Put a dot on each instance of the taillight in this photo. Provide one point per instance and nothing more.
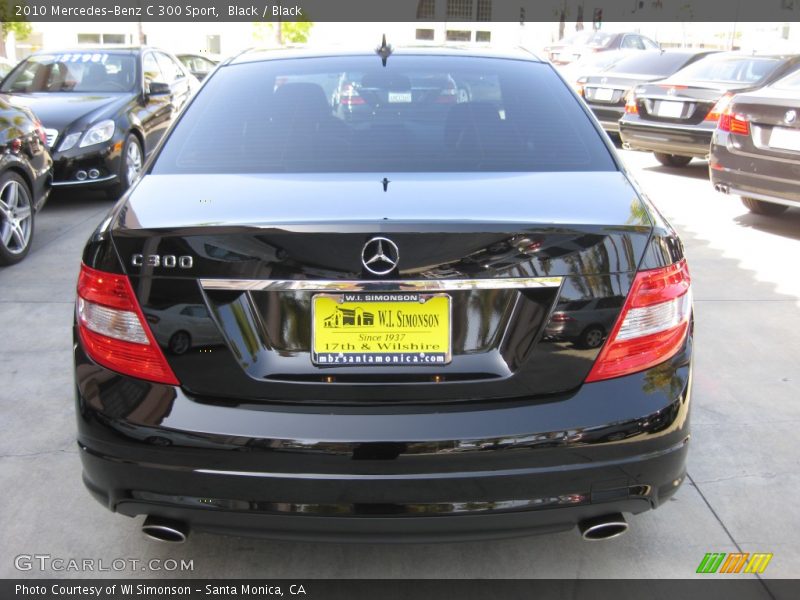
(350, 96)
(560, 317)
(579, 86)
(40, 132)
(448, 95)
(113, 329)
(734, 123)
(652, 326)
(631, 107)
(719, 108)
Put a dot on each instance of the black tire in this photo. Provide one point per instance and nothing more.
(592, 337)
(17, 217)
(760, 207)
(180, 342)
(132, 144)
(672, 160)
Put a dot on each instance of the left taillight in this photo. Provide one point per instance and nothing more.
(631, 107)
(652, 326)
(113, 330)
(41, 132)
(719, 108)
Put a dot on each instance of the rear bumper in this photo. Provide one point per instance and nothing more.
(608, 116)
(385, 474)
(754, 176)
(670, 139)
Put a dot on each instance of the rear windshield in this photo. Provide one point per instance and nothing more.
(80, 72)
(792, 82)
(651, 63)
(351, 114)
(734, 69)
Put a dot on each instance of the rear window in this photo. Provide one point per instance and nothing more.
(651, 63)
(732, 69)
(792, 82)
(351, 114)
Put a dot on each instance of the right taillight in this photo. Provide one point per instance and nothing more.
(733, 123)
(652, 326)
(113, 329)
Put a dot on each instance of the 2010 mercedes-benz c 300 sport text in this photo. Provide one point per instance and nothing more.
(410, 294)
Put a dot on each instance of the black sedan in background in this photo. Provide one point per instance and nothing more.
(606, 92)
(25, 173)
(675, 117)
(382, 289)
(104, 110)
(755, 151)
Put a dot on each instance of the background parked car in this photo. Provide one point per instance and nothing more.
(675, 118)
(25, 167)
(607, 92)
(199, 65)
(580, 44)
(591, 64)
(104, 110)
(755, 151)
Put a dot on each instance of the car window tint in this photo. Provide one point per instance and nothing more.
(632, 42)
(649, 44)
(792, 82)
(351, 114)
(171, 71)
(81, 72)
(152, 72)
(650, 63)
(735, 69)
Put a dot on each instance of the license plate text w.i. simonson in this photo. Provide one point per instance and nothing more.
(381, 329)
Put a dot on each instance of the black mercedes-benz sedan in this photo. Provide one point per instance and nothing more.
(755, 151)
(104, 110)
(675, 117)
(25, 174)
(364, 307)
(608, 90)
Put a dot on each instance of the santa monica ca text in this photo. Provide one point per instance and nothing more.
(143, 589)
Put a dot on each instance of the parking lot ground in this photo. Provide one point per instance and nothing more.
(743, 464)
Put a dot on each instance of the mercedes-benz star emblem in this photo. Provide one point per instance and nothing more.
(380, 256)
(790, 116)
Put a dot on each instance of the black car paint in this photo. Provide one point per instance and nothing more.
(611, 111)
(32, 160)
(690, 136)
(268, 445)
(747, 165)
(139, 112)
(23, 152)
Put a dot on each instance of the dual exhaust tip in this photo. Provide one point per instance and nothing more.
(603, 527)
(722, 188)
(165, 530)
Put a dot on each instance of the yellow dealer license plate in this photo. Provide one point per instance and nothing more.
(381, 329)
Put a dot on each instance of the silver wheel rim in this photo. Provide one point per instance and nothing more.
(133, 162)
(16, 217)
(594, 337)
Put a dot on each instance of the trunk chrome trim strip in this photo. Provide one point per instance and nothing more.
(392, 285)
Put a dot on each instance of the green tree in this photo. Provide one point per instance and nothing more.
(21, 29)
(283, 32)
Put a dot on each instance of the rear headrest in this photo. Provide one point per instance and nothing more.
(306, 100)
(468, 123)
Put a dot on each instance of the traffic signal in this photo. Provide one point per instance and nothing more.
(597, 19)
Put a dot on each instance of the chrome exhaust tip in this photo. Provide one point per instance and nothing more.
(165, 530)
(604, 527)
(626, 146)
(721, 188)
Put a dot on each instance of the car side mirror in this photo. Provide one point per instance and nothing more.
(157, 88)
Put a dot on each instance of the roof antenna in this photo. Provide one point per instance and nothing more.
(384, 50)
